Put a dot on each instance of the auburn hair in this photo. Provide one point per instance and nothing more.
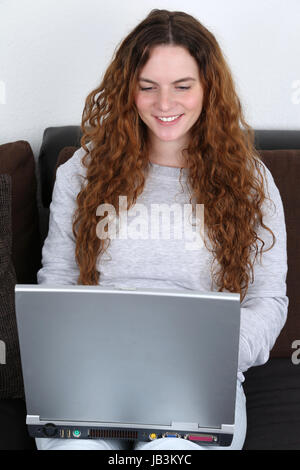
(225, 172)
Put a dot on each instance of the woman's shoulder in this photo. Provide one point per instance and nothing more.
(273, 201)
(268, 179)
(73, 172)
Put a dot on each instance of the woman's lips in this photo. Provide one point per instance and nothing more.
(168, 123)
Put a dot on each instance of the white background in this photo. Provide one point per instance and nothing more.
(54, 52)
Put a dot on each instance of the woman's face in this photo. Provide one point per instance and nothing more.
(169, 87)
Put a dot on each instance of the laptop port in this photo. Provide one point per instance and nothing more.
(208, 438)
(95, 433)
(50, 430)
(171, 434)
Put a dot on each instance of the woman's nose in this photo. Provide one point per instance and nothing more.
(164, 100)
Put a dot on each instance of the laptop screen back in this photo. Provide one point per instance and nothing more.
(137, 357)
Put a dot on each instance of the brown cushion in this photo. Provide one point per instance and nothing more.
(285, 168)
(11, 381)
(64, 155)
(17, 160)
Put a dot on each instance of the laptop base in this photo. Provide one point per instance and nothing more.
(51, 430)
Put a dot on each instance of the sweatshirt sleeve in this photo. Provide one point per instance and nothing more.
(264, 308)
(58, 255)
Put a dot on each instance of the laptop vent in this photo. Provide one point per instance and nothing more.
(112, 433)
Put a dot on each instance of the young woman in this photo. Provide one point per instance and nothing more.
(166, 126)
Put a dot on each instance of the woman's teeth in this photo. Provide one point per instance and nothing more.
(169, 119)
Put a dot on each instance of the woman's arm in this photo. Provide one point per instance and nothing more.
(58, 255)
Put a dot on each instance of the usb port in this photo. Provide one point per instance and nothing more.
(62, 433)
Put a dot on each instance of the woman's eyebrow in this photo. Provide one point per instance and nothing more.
(185, 79)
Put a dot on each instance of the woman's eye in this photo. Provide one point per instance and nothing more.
(178, 88)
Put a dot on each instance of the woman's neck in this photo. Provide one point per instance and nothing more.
(165, 161)
(167, 153)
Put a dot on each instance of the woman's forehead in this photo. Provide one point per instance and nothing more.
(169, 63)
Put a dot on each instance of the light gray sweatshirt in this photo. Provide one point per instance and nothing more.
(153, 252)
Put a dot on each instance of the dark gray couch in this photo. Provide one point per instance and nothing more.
(272, 390)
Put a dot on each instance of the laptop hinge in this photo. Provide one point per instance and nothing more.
(224, 429)
(183, 426)
(32, 419)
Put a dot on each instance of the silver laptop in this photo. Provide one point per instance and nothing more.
(135, 364)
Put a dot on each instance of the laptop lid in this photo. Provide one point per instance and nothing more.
(135, 358)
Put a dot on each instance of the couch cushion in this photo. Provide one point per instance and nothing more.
(54, 140)
(273, 406)
(13, 430)
(64, 155)
(16, 159)
(285, 168)
(11, 381)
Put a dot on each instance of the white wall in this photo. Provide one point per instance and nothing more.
(53, 53)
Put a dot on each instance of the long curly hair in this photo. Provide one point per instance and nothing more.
(225, 172)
